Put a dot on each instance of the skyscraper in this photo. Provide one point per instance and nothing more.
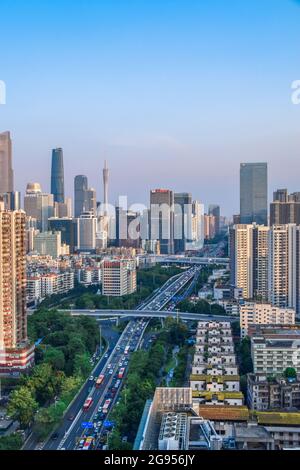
(86, 232)
(38, 205)
(80, 188)
(162, 219)
(6, 171)
(214, 210)
(15, 352)
(249, 259)
(182, 221)
(57, 175)
(285, 209)
(284, 269)
(91, 201)
(105, 187)
(254, 193)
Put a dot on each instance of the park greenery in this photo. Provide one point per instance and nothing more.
(146, 369)
(202, 307)
(11, 442)
(62, 365)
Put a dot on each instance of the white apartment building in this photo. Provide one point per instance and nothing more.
(272, 354)
(118, 277)
(214, 379)
(252, 313)
(41, 286)
(284, 266)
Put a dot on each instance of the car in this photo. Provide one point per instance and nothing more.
(71, 417)
(91, 378)
(54, 435)
(111, 371)
(99, 409)
(81, 442)
(120, 364)
(106, 355)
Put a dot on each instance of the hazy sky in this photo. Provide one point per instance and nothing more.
(174, 93)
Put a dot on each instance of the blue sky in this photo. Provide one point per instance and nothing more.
(174, 93)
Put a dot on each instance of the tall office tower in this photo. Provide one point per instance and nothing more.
(12, 201)
(254, 193)
(86, 232)
(6, 171)
(16, 355)
(105, 187)
(68, 229)
(285, 209)
(80, 188)
(91, 201)
(127, 229)
(162, 219)
(38, 205)
(183, 213)
(214, 210)
(284, 266)
(249, 258)
(57, 175)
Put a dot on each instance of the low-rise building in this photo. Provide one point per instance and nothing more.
(274, 349)
(264, 314)
(271, 393)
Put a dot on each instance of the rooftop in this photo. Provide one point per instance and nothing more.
(224, 413)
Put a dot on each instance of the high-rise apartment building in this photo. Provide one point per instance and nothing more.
(249, 258)
(57, 176)
(284, 267)
(209, 227)
(6, 171)
(118, 277)
(38, 205)
(254, 193)
(285, 209)
(16, 355)
(162, 219)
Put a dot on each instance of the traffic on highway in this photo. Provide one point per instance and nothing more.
(90, 426)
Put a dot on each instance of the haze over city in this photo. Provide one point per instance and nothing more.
(168, 99)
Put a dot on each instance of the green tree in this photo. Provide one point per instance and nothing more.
(22, 405)
(55, 357)
(11, 442)
(290, 373)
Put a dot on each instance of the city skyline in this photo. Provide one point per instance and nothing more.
(187, 99)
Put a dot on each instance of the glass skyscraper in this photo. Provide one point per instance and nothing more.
(254, 193)
(57, 175)
(80, 194)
